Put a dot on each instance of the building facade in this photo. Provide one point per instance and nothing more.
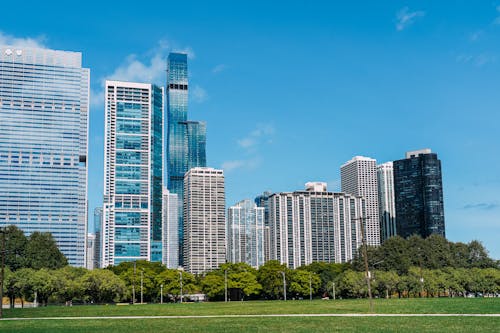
(133, 198)
(91, 251)
(44, 103)
(97, 228)
(385, 178)
(359, 178)
(170, 229)
(245, 233)
(263, 201)
(419, 194)
(185, 140)
(205, 220)
(314, 225)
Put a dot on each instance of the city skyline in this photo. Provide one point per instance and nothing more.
(431, 84)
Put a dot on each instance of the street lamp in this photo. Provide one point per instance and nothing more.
(225, 285)
(133, 286)
(2, 231)
(365, 257)
(161, 294)
(284, 285)
(142, 281)
(333, 289)
(180, 269)
(310, 287)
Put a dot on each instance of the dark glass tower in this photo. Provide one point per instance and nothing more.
(185, 140)
(419, 194)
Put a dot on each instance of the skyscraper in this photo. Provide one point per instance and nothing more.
(245, 233)
(387, 208)
(170, 229)
(91, 248)
(419, 194)
(185, 140)
(359, 178)
(133, 199)
(205, 220)
(97, 228)
(314, 225)
(44, 102)
(263, 201)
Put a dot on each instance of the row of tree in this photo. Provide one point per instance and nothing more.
(127, 281)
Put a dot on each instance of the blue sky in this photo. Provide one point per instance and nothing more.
(291, 90)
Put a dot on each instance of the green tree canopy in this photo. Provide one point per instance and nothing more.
(42, 252)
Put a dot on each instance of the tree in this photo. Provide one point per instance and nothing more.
(478, 256)
(299, 282)
(102, 286)
(386, 282)
(352, 284)
(15, 246)
(328, 273)
(241, 277)
(170, 279)
(68, 283)
(213, 285)
(270, 277)
(42, 252)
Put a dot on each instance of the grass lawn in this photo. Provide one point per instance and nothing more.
(269, 324)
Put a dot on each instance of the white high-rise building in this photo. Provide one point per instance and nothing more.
(170, 229)
(204, 220)
(385, 178)
(314, 225)
(359, 178)
(132, 208)
(44, 105)
(245, 233)
(91, 250)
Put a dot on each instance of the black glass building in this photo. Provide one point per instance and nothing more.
(418, 194)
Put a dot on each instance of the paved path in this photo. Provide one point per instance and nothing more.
(272, 315)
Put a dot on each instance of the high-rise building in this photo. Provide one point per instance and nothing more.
(97, 229)
(263, 201)
(359, 178)
(314, 225)
(185, 140)
(91, 249)
(170, 230)
(245, 233)
(385, 178)
(44, 103)
(133, 198)
(205, 220)
(419, 194)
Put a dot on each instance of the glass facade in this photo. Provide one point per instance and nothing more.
(43, 145)
(385, 177)
(245, 233)
(132, 227)
(419, 195)
(185, 140)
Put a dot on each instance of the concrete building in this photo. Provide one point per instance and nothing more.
(170, 229)
(385, 178)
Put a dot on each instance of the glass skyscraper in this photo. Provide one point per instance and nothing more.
(133, 161)
(44, 102)
(185, 140)
(418, 191)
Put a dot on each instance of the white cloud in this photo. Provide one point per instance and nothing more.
(248, 164)
(219, 68)
(478, 60)
(476, 35)
(37, 42)
(132, 69)
(497, 19)
(262, 133)
(405, 18)
(199, 94)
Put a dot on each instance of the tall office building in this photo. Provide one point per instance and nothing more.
(263, 201)
(91, 248)
(205, 220)
(170, 229)
(245, 233)
(385, 178)
(97, 228)
(133, 198)
(359, 178)
(419, 194)
(314, 225)
(185, 140)
(44, 103)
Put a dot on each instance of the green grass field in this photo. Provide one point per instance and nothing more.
(269, 324)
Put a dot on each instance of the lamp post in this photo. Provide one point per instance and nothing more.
(333, 289)
(142, 281)
(2, 231)
(180, 269)
(284, 285)
(225, 285)
(362, 223)
(161, 294)
(310, 287)
(133, 287)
